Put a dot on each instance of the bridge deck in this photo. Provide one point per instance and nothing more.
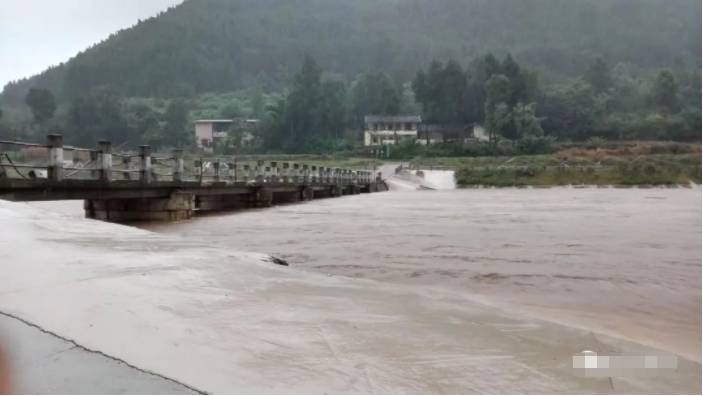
(145, 186)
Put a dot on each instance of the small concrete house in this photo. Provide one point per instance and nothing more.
(383, 129)
(209, 132)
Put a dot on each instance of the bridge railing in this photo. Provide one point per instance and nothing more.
(56, 162)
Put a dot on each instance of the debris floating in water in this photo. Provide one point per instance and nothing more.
(276, 260)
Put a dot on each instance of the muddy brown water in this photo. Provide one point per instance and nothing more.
(623, 262)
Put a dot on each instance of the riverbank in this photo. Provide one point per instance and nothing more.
(645, 165)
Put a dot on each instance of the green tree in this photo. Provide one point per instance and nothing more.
(97, 116)
(177, 131)
(569, 111)
(257, 102)
(442, 92)
(496, 111)
(664, 92)
(599, 75)
(144, 124)
(233, 109)
(42, 103)
(374, 93)
(526, 122)
(518, 80)
(274, 122)
(501, 122)
(303, 104)
(333, 111)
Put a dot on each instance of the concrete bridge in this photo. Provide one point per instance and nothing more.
(143, 186)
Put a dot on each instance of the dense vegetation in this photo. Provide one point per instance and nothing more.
(311, 69)
(224, 45)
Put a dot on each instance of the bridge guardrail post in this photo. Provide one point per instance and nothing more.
(296, 173)
(235, 171)
(54, 171)
(178, 165)
(274, 172)
(231, 171)
(95, 159)
(260, 172)
(145, 166)
(198, 169)
(216, 168)
(252, 171)
(285, 172)
(306, 173)
(105, 160)
(266, 172)
(126, 161)
(245, 172)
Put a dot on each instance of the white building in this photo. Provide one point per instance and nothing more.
(480, 133)
(209, 132)
(381, 130)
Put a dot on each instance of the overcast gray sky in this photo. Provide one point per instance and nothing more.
(35, 34)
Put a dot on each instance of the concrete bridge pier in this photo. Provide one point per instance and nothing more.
(179, 206)
(354, 190)
(222, 202)
(307, 193)
(262, 197)
(280, 197)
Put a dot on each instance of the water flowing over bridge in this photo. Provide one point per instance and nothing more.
(142, 186)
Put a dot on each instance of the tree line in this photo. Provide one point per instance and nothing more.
(102, 114)
(322, 112)
(511, 102)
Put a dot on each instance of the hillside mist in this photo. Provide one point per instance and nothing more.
(224, 45)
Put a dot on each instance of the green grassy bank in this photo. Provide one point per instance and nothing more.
(638, 166)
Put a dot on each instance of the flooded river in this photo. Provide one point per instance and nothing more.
(625, 262)
(445, 291)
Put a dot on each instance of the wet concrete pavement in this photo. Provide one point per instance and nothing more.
(44, 363)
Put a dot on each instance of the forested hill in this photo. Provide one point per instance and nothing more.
(222, 45)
